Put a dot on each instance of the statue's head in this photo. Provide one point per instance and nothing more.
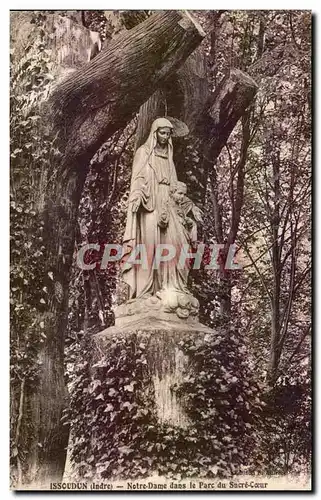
(179, 191)
(163, 134)
(161, 131)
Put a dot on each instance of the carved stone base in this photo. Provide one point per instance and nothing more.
(169, 304)
(167, 318)
(165, 358)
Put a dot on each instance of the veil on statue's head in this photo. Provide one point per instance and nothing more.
(178, 128)
(152, 138)
(147, 149)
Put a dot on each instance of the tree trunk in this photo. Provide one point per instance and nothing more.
(276, 265)
(83, 111)
(69, 46)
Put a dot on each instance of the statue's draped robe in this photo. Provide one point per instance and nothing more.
(153, 177)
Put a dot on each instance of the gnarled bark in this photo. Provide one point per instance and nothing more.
(103, 95)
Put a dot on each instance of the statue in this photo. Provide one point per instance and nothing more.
(183, 207)
(159, 309)
(159, 215)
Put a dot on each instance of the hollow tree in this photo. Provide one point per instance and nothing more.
(83, 110)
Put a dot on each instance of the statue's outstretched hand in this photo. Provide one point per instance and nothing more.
(135, 205)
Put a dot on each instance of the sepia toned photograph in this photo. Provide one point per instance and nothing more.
(160, 250)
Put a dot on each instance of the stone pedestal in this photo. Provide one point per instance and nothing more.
(165, 334)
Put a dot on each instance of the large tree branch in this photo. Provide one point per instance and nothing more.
(101, 97)
(226, 106)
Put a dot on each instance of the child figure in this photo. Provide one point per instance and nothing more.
(186, 210)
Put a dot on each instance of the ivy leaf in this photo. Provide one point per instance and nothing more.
(95, 383)
(125, 450)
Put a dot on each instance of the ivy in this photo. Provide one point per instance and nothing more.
(31, 156)
(114, 426)
(112, 402)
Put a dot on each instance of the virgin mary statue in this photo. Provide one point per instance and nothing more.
(150, 220)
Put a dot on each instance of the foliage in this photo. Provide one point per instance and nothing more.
(286, 434)
(114, 398)
(249, 36)
(224, 391)
(30, 82)
(101, 219)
